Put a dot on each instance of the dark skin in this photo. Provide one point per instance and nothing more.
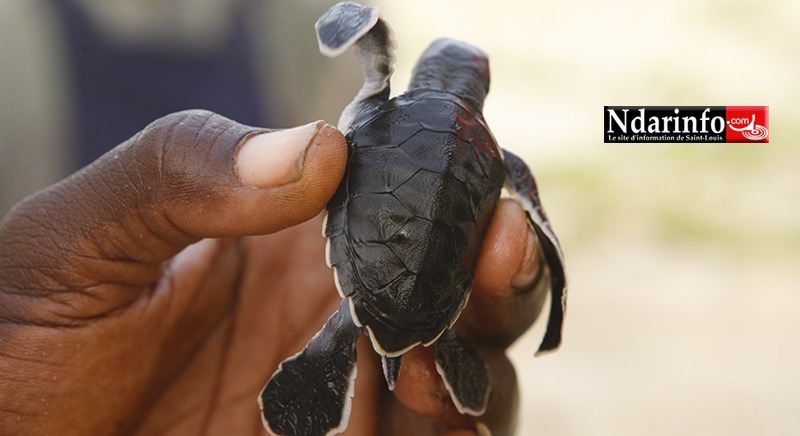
(156, 291)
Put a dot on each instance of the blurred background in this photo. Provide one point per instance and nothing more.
(682, 258)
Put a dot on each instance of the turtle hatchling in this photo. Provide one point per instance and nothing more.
(405, 227)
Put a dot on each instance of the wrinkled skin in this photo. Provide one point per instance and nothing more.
(132, 303)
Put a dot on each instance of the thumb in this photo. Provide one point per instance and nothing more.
(187, 176)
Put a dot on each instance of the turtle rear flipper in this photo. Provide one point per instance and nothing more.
(311, 392)
(521, 184)
(464, 373)
(347, 24)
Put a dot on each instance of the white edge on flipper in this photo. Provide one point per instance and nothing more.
(376, 58)
(333, 52)
(280, 368)
(546, 309)
(348, 402)
(533, 214)
(535, 219)
(460, 407)
(264, 421)
(348, 405)
(261, 401)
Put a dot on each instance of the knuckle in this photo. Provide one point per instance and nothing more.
(186, 144)
(173, 150)
(187, 117)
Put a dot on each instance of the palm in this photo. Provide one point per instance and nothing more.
(282, 293)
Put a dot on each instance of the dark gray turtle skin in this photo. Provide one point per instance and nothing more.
(405, 227)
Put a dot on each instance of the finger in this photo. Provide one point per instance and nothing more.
(187, 176)
(421, 390)
(507, 294)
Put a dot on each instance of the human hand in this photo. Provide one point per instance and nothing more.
(132, 302)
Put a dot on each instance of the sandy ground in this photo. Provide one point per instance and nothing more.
(666, 342)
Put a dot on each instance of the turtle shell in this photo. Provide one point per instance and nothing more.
(405, 226)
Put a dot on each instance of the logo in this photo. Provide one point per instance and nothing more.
(686, 124)
(747, 123)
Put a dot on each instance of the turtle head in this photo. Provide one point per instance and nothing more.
(455, 67)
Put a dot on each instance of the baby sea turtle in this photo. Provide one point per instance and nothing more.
(405, 227)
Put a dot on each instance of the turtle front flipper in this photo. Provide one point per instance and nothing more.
(311, 392)
(522, 185)
(347, 24)
(464, 373)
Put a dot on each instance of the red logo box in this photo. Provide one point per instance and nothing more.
(747, 124)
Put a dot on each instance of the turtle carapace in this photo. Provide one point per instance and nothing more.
(405, 227)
